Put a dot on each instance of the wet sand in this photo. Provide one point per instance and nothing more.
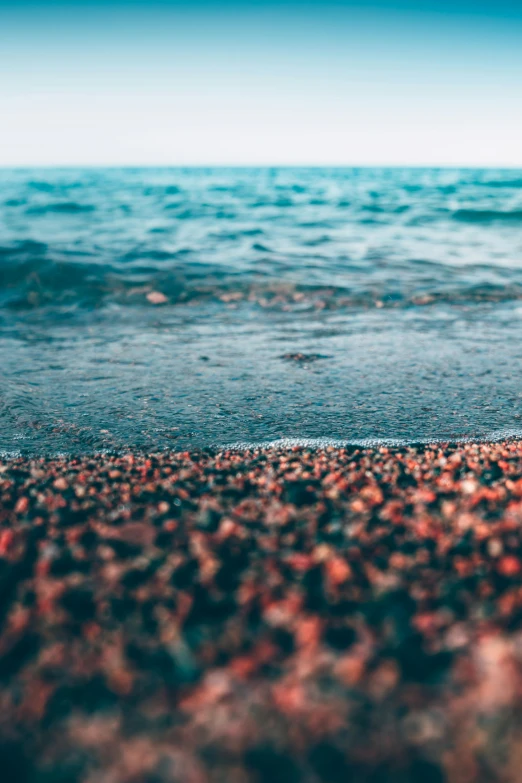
(285, 616)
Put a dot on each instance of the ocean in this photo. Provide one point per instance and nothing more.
(161, 309)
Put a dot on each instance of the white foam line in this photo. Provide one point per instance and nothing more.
(364, 443)
(288, 443)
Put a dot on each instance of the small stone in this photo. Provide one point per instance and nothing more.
(157, 298)
(22, 505)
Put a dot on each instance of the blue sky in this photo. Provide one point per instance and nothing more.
(260, 82)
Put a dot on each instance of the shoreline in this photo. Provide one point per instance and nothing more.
(296, 614)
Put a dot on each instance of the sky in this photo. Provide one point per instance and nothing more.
(223, 82)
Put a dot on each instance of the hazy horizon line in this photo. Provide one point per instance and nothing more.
(144, 166)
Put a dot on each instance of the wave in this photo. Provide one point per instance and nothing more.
(488, 215)
(33, 280)
(503, 183)
(41, 185)
(19, 249)
(60, 208)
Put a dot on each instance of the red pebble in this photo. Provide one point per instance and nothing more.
(509, 565)
(22, 505)
(6, 539)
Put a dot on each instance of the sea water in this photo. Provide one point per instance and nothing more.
(161, 309)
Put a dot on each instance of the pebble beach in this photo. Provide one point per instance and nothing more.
(268, 615)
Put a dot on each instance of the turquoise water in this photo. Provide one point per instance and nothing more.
(169, 308)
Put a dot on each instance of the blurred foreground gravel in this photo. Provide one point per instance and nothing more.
(278, 616)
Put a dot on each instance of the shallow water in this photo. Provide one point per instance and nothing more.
(347, 305)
